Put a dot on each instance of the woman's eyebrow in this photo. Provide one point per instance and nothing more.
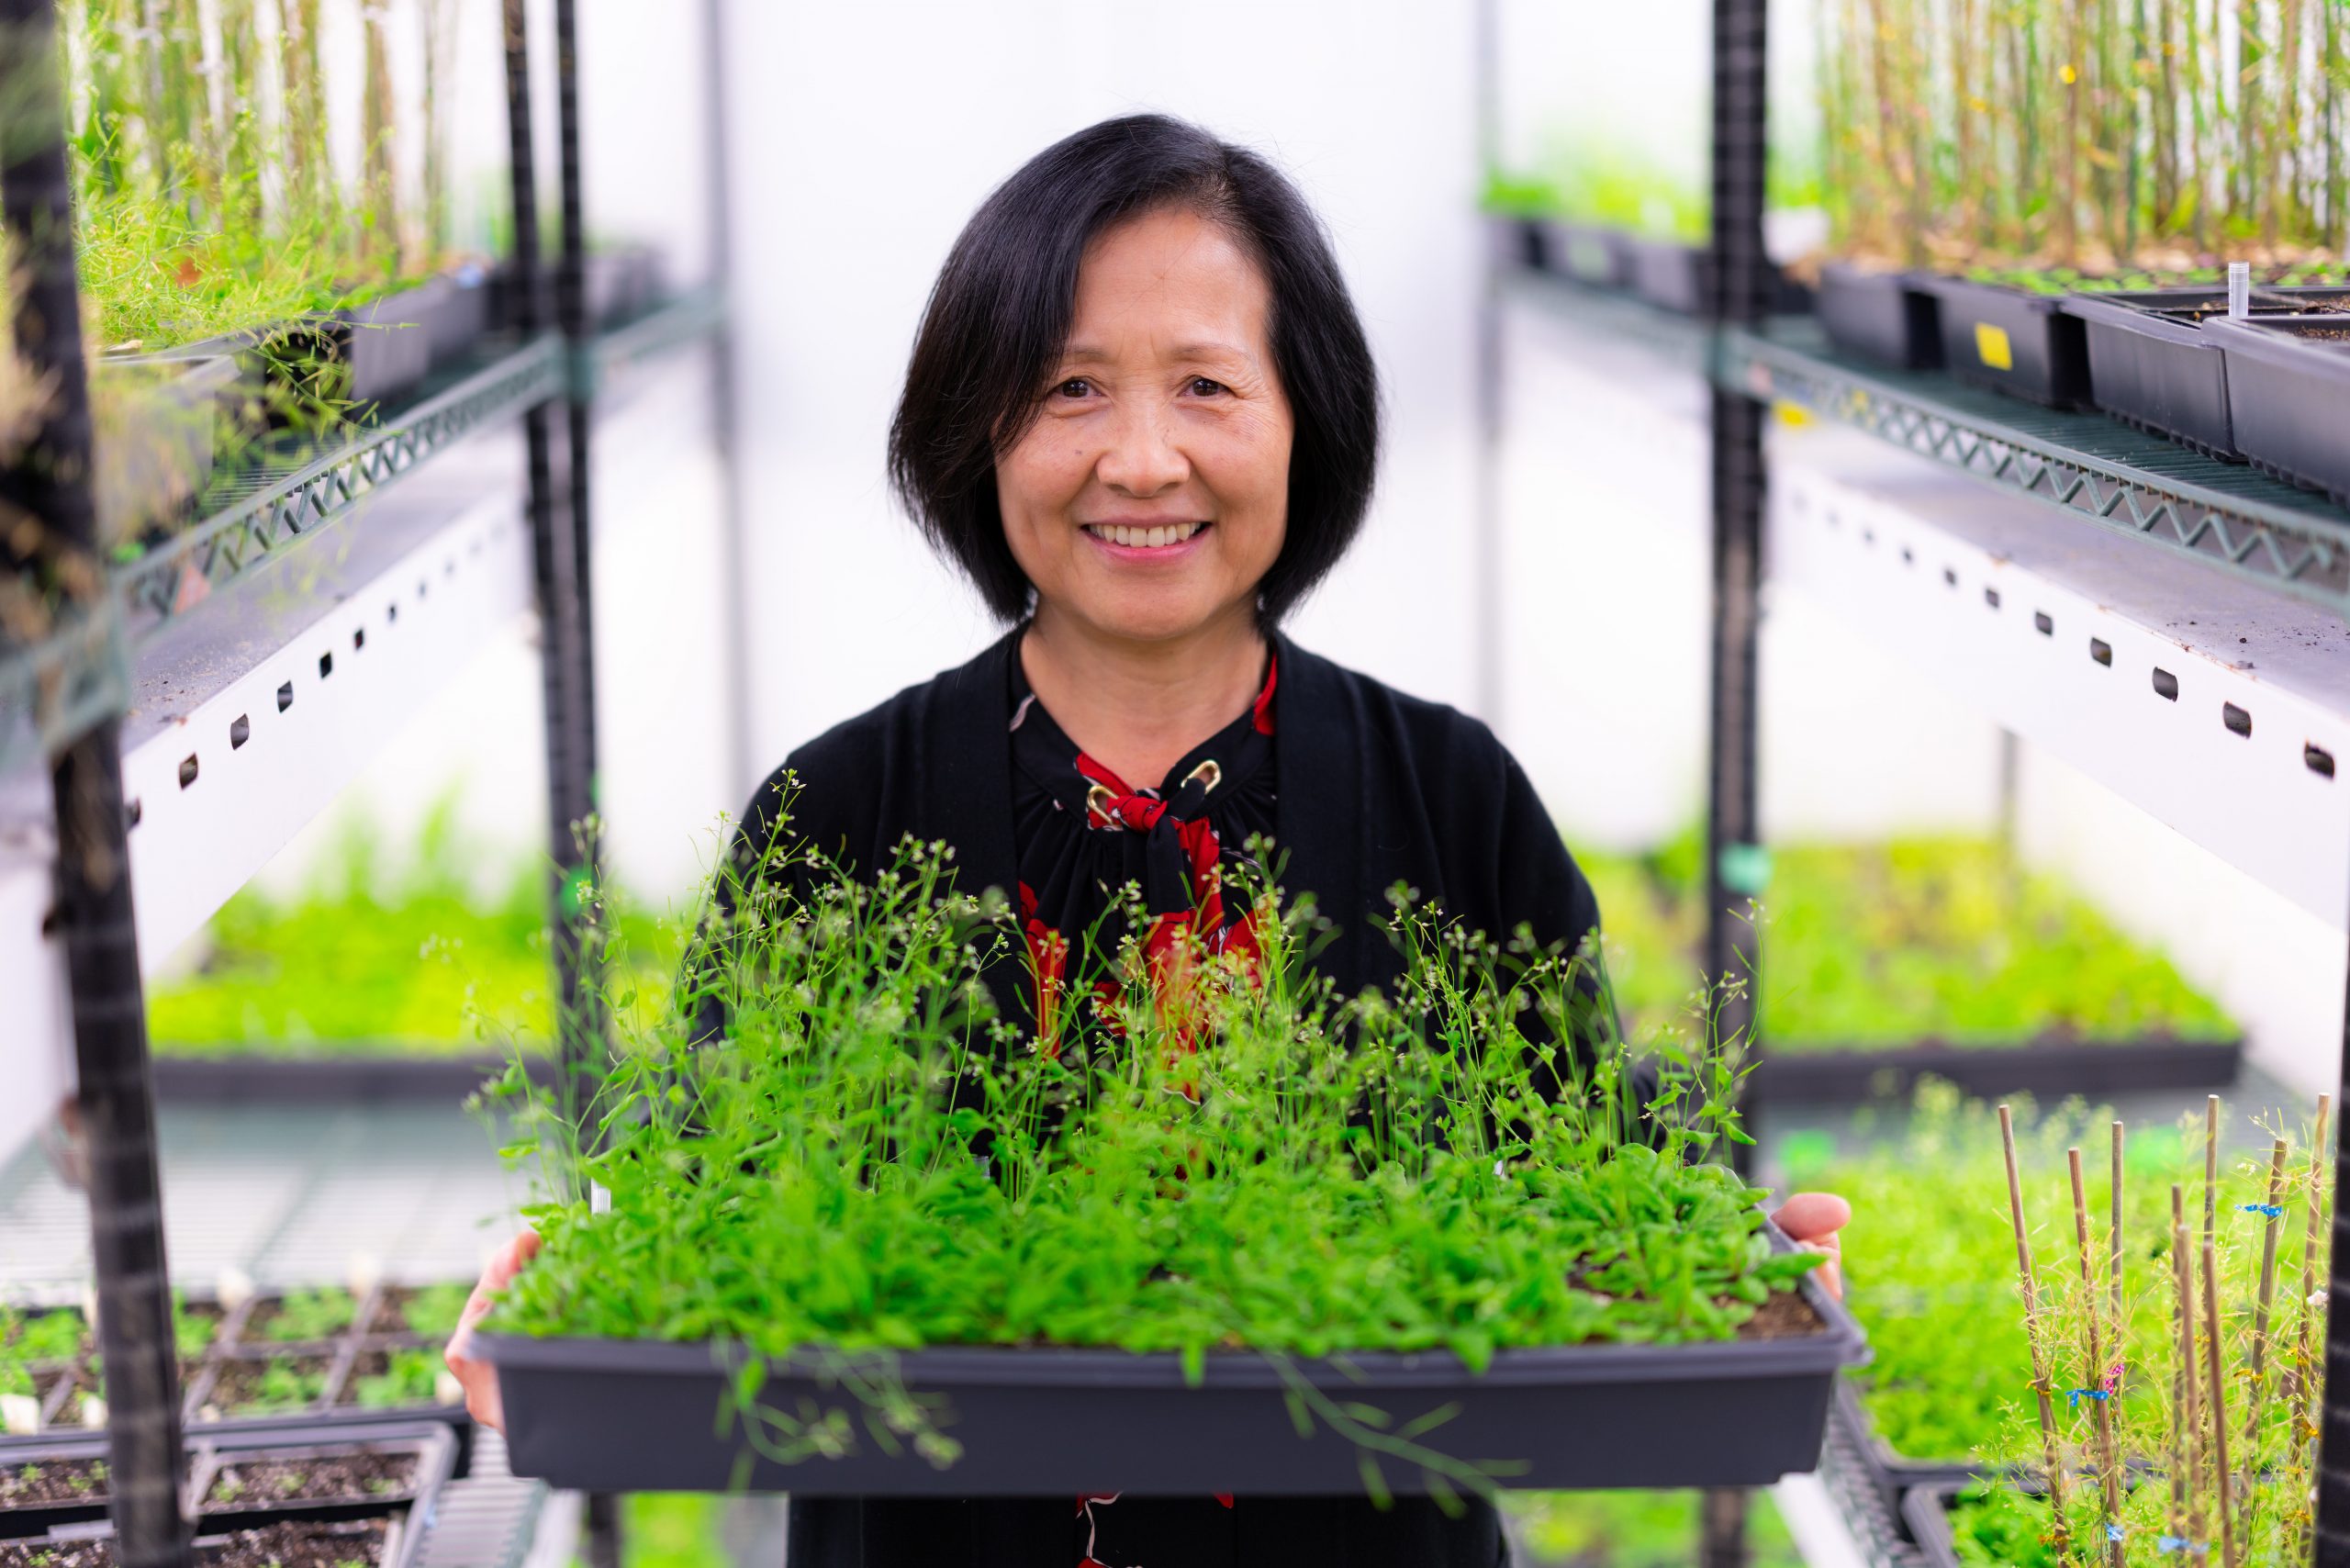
(1204, 348)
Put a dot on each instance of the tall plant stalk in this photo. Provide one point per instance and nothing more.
(382, 244)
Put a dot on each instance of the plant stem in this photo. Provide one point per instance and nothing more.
(2109, 1473)
(2035, 1333)
(383, 246)
(2305, 1375)
(2218, 1397)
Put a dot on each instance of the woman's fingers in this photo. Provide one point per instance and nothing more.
(1812, 1221)
(1814, 1216)
(478, 1378)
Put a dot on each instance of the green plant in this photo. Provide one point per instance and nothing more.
(305, 1316)
(1940, 936)
(410, 1377)
(1635, 1529)
(419, 961)
(285, 1385)
(2162, 135)
(1235, 1157)
(433, 1310)
(2175, 1366)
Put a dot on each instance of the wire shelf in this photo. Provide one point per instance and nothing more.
(55, 690)
(2138, 485)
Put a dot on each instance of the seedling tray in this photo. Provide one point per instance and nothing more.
(350, 1075)
(1883, 317)
(2156, 367)
(2012, 342)
(1891, 1476)
(375, 1328)
(1587, 253)
(634, 1415)
(2289, 381)
(429, 1450)
(380, 1541)
(2044, 1067)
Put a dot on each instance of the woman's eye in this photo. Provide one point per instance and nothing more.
(1075, 386)
(1203, 387)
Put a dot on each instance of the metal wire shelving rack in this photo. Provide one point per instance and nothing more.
(467, 503)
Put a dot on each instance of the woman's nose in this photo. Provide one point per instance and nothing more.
(1141, 460)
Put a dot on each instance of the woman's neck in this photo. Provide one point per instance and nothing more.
(1137, 707)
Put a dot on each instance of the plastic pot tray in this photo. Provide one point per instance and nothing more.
(2156, 367)
(2046, 1067)
(2010, 341)
(1891, 1474)
(634, 1415)
(345, 1075)
(2288, 380)
(1587, 253)
(1885, 317)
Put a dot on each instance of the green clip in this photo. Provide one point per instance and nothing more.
(1745, 867)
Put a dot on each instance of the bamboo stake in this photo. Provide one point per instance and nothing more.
(2273, 1213)
(2109, 1473)
(2285, 205)
(2252, 53)
(2210, 1167)
(2166, 121)
(2218, 1408)
(2198, 171)
(2187, 1436)
(382, 241)
(2113, 1239)
(2034, 1334)
(2068, 163)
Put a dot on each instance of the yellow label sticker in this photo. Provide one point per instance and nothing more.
(1991, 346)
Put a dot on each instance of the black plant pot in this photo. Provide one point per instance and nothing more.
(347, 1076)
(53, 1455)
(2012, 342)
(2043, 1067)
(1515, 241)
(2153, 366)
(643, 1415)
(456, 315)
(1669, 275)
(429, 1450)
(1587, 253)
(621, 283)
(2288, 384)
(1883, 317)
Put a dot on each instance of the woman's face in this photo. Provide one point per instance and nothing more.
(1150, 497)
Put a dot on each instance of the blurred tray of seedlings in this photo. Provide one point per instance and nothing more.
(390, 971)
(1936, 957)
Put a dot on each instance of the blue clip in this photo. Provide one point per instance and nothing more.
(2271, 1210)
(2113, 1533)
(2179, 1543)
(2077, 1394)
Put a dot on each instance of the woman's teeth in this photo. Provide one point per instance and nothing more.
(1146, 538)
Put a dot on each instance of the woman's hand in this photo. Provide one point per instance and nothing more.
(479, 1378)
(1812, 1220)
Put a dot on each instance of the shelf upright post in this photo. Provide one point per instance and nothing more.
(566, 654)
(577, 950)
(2332, 1529)
(733, 628)
(116, 1102)
(1736, 863)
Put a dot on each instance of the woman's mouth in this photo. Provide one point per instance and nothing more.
(1158, 536)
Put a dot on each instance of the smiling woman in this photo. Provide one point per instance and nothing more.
(1141, 417)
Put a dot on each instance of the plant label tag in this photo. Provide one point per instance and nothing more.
(1991, 346)
(19, 1415)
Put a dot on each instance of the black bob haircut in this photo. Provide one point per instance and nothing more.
(1000, 315)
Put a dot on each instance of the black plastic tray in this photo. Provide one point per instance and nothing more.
(635, 1416)
(2012, 342)
(1891, 1476)
(2153, 366)
(2287, 389)
(1587, 253)
(1883, 317)
(1837, 1077)
(347, 1077)
(433, 1444)
(1925, 1510)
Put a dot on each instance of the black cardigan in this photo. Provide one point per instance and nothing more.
(1374, 788)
